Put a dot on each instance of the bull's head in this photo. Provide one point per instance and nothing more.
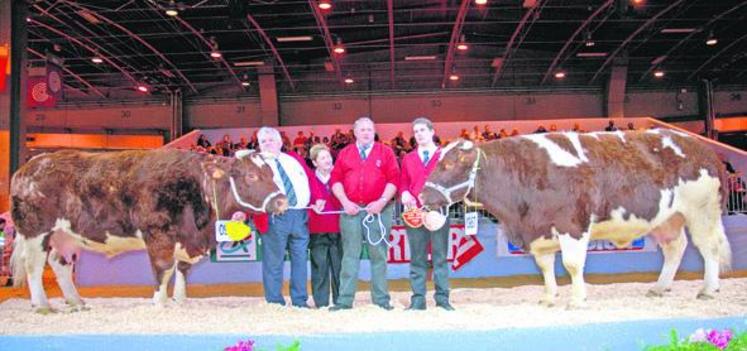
(251, 183)
(454, 176)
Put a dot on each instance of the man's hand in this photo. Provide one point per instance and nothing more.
(376, 207)
(408, 200)
(351, 209)
(318, 206)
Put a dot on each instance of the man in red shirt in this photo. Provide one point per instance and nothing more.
(416, 166)
(365, 179)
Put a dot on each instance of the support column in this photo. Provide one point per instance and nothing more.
(615, 98)
(706, 108)
(268, 96)
(176, 100)
(12, 100)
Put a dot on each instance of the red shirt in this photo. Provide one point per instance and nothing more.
(364, 181)
(326, 223)
(415, 173)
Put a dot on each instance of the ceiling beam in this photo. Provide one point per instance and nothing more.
(688, 37)
(274, 50)
(390, 14)
(456, 31)
(715, 56)
(321, 23)
(72, 74)
(93, 51)
(534, 14)
(630, 37)
(572, 38)
(141, 41)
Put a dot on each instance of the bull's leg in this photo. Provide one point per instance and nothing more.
(546, 263)
(708, 236)
(63, 270)
(673, 252)
(180, 282)
(574, 259)
(29, 257)
(161, 252)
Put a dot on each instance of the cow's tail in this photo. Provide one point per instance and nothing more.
(18, 260)
(724, 250)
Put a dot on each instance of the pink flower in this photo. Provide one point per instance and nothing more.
(242, 345)
(700, 335)
(720, 340)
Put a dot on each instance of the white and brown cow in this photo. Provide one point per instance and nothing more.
(165, 201)
(558, 191)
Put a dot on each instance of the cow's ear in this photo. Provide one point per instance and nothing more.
(213, 170)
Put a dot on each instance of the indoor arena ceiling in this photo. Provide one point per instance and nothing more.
(218, 47)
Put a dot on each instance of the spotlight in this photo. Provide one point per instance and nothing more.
(97, 60)
(560, 75)
(658, 73)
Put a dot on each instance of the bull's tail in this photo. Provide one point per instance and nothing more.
(724, 250)
(18, 260)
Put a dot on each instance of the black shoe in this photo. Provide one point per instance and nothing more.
(387, 307)
(340, 308)
(445, 306)
(301, 306)
(416, 307)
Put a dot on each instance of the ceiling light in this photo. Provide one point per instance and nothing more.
(420, 58)
(97, 60)
(453, 77)
(216, 54)
(711, 40)
(172, 12)
(249, 63)
(294, 38)
(591, 54)
(560, 75)
(349, 80)
(481, 2)
(677, 30)
(325, 4)
(462, 46)
(637, 2)
(658, 73)
(339, 50)
(245, 84)
(142, 88)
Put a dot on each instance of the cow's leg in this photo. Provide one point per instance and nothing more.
(28, 259)
(161, 252)
(180, 282)
(574, 259)
(673, 252)
(63, 270)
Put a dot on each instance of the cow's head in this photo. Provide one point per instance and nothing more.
(251, 182)
(454, 175)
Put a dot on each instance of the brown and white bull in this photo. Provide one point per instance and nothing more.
(165, 201)
(555, 192)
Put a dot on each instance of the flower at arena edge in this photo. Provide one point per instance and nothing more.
(241, 345)
(720, 340)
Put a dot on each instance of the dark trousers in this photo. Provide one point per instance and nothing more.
(326, 261)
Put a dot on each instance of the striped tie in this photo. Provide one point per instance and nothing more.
(426, 157)
(363, 149)
(289, 192)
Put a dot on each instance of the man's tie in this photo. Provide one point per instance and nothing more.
(426, 157)
(363, 152)
(289, 192)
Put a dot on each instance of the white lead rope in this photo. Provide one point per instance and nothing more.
(368, 219)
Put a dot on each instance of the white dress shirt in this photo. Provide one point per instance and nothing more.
(297, 177)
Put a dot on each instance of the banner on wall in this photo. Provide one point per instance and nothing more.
(462, 249)
(505, 248)
(4, 66)
(36, 94)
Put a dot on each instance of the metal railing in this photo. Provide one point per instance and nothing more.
(737, 194)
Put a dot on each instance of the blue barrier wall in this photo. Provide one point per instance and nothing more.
(134, 268)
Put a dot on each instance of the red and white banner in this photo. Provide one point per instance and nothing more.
(36, 94)
(462, 248)
(4, 66)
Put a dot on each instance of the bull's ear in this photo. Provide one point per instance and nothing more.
(212, 169)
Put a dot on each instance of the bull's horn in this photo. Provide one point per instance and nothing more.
(467, 145)
(243, 153)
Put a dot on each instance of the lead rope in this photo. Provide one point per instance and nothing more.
(368, 219)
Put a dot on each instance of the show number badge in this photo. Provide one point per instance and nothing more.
(231, 231)
(413, 217)
(470, 223)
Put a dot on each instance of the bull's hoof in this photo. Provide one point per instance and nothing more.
(77, 308)
(657, 292)
(547, 301)
(179, 300)
(46, 310)
(705, 295)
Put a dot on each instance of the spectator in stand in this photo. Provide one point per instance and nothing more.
(475, 136)
(325, 141)
(464, 134)
(502, 134)
(325, 245)
(553, 128)
(514, 132)
(253, 142)
(365, 179)
(242, 144)
(540, 129)
(631, 126)
(300, 140)
(610, 127)
(487, 134)
(399, 143)
(286, 141)
(202, 141)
